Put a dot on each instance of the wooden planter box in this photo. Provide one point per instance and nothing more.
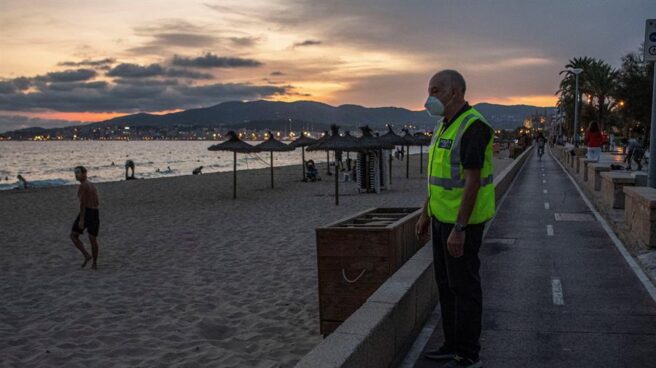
(356, 255)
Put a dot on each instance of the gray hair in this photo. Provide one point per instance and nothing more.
(452, 78)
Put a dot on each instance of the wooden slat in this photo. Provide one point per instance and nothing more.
(378, 241)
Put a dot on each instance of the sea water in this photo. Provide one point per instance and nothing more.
(51, 163)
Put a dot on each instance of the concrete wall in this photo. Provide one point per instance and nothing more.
(379, 333)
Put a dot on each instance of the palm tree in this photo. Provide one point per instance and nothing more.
(600, 83)
(567, 88)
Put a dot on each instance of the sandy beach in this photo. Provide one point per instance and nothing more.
(187, 276)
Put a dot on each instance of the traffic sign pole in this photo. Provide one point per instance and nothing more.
(650, 56)
(652, 135)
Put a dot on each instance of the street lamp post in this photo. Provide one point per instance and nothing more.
(576, 72)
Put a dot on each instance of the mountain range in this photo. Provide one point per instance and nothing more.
(263, 114)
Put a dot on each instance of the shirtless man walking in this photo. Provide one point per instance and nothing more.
(87, 218)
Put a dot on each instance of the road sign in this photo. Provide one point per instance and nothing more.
(650, 40)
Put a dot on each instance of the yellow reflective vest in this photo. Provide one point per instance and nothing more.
(446, 175)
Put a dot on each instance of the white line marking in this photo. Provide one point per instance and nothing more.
(543, 175)
(644, 279)
(557, 292)
(545, 191)
(550, 230)
(546, 205)
(544, 182)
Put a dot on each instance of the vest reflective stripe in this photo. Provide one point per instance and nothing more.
(446, 180)
(455, 159)
(455, 183)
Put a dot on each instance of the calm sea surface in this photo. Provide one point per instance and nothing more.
(51, 163)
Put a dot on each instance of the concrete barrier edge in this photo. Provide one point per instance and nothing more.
(380, 332)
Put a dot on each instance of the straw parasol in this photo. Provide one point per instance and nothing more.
(393, 139)
(334, 142)
(271, 145)
(234, 145)
(369, 142)
(302, 141)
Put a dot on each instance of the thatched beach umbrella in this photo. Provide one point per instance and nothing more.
(234, 145)
(368, 142)
(271, 145)
(334, 142)
(393, 139)
(303, 141)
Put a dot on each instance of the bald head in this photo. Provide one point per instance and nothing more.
(449, 87)
(448, 79)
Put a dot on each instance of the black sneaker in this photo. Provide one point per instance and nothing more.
(443, 353)
(460, 362)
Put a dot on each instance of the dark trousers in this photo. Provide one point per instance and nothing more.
(459, 286)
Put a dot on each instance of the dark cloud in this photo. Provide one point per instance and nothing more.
(71, 75)
(190, 40)
(307, 43)
(243, 41)
(277, 73)
(462, 34)
(127, 70)
(210, 60)
(148, 49)
(147, 82)
(164, 34)
(69, 86)
(22, 83)
(15, 122)
(15, 85)
(64, 80)
(189, 74)
(128, 95)
(100, 63)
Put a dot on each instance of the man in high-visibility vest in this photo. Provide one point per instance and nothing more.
(460, 201)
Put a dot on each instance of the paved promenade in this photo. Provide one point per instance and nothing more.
(557, 292)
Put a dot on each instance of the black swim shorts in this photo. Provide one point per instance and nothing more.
(91, 222)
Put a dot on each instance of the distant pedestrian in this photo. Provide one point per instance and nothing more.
(339, 164)
(22, 181)
(611, 142)
(88, 217)
(594, 140)
(541, 142)
(634, 153)
(129, 165)
(460, 202)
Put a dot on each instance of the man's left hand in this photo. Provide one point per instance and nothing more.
(456, 243)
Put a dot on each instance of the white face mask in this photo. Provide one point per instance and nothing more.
(434, 107)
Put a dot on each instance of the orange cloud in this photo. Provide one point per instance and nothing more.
(536, 100)
(88, 117)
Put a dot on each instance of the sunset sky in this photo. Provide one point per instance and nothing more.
(91, 60)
